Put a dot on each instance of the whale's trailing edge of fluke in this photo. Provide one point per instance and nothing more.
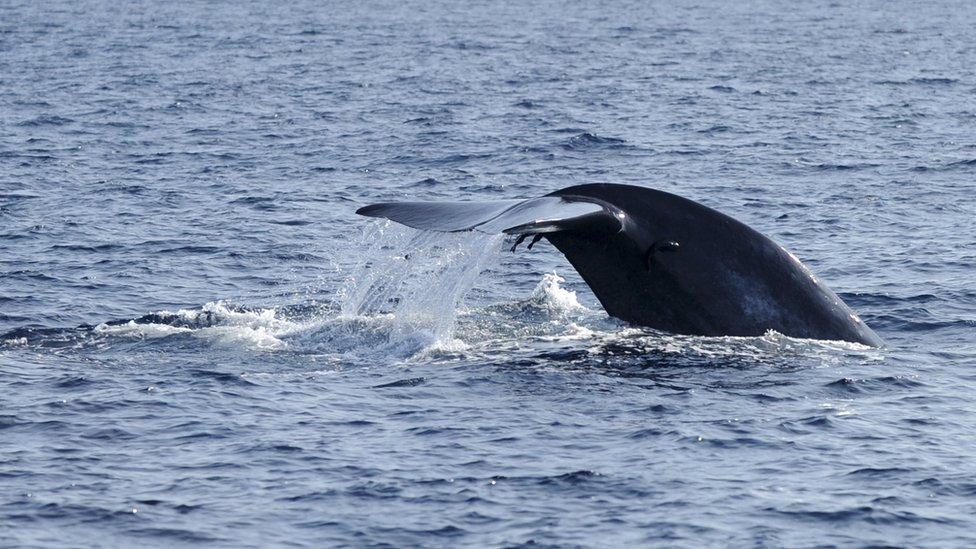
(535, 215)
(659, 260)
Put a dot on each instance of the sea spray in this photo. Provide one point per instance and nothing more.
(551, 296)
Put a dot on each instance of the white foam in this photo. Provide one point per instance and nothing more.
(573, 332)
(549, 295)
(234, 336)
(216, 322)
(759, 347)
(140, 331)
(218, 312)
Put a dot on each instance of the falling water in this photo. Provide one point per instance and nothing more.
(416, 278)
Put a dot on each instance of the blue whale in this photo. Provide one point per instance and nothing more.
(659, 260)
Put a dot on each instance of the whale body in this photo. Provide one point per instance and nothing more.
(656, 259)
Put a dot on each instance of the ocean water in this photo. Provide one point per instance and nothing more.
(201, 343)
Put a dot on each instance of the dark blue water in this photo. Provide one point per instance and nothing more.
(202, 343)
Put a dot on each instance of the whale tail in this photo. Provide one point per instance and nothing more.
(536, 216)
(659, 260)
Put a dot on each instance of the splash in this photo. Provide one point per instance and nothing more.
(400, 301)
(415, 281)
(551, 296)
(216, 322)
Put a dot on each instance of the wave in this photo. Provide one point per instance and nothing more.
(587, 140)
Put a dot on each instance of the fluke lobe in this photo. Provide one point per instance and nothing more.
(659, 260)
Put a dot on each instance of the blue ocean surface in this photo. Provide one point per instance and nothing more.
(200, 342)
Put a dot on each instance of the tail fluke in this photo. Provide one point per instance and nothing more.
(547, 214)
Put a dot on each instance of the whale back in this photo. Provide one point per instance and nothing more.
(721, 278)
